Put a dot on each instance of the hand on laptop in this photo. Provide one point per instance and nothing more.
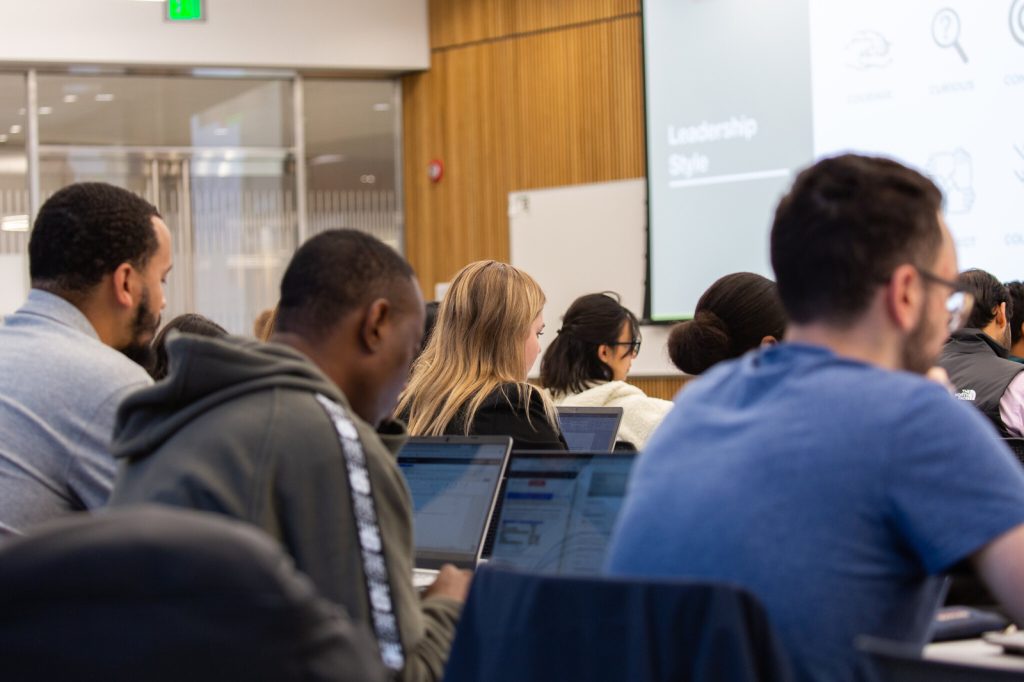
(451, 582)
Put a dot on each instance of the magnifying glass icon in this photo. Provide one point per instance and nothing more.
(946, 31)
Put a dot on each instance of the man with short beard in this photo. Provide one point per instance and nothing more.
(825, 474)
(98, 260)
(977, 358)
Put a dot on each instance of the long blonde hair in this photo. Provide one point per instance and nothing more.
(478, 343)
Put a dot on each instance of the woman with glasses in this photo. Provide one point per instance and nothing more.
(471, 377)
(587, 363)
(737, 313)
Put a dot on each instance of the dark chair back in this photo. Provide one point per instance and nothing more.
(518, 627)
(149, 593)
(889, 661)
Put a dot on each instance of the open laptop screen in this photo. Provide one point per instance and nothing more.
(454, 482)
(590, 429)
(558, 511)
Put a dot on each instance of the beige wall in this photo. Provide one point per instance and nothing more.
(380, 36)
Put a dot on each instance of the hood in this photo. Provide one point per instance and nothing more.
(204, 373)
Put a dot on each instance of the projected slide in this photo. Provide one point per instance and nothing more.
(742, 94)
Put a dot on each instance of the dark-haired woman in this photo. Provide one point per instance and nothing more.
(587, 364)
(737, 313)
(189, 323)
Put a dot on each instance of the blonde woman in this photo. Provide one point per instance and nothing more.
(263, 326)
(471, 377)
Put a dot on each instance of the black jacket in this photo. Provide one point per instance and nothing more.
(980, 370)
(503, 413)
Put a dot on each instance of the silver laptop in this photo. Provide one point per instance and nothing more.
(454, 483)
(590, 429)
(558, 510)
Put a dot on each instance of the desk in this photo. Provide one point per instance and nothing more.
(973, 652)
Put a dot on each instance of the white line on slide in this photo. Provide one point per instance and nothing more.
(735, 177)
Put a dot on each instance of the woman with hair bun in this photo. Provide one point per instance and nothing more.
(587, 364)
(737, 313)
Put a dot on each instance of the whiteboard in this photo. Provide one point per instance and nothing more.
(583, 239)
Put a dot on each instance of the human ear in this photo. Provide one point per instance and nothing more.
(769, 340)
(123, 286)
(604, 353)
(904, 297)
(1001, 320)
(375, 322)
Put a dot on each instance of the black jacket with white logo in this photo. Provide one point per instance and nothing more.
(979, 369)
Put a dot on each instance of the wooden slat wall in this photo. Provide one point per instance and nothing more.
(660, 387)
(520, 94)
(457, 22)
(665, 388)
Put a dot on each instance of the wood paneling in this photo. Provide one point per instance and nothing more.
(457, 22)
(521, 94)
(661, 387)
(559, 107)
(665, 388)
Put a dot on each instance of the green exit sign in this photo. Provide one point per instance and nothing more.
(185, 10)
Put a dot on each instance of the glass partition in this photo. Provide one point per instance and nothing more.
(147, 111)
(352, 157)
(231, 216)
(214, 156)
(14, 204)
(217, 156)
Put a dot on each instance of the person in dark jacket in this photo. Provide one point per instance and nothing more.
(471, 377)
(292, 436)
(977, 358)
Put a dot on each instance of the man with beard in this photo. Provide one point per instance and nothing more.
(825, 474)
(98, 259)
(977, 358)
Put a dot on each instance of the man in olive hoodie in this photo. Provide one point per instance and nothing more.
(294, 437)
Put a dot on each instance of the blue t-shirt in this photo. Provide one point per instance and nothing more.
(830, 488)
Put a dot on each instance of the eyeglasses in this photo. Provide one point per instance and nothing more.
(959, 303)
(634, 346)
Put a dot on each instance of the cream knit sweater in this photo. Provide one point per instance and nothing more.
(641, 414)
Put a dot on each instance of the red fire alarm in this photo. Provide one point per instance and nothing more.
(435, 170)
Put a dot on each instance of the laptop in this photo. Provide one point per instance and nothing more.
(454, 485)
(590, 429)
(558, 510)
